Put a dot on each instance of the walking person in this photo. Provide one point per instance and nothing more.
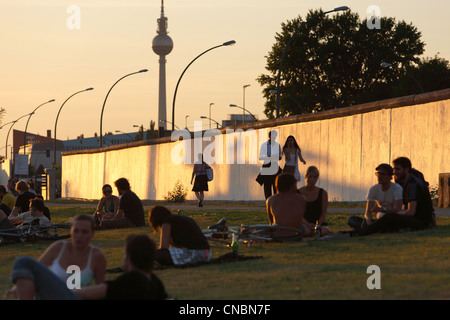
(201, 179)
(292, 153)
(270, 154)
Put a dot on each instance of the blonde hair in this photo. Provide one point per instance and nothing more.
(22, 186)
(312, 169)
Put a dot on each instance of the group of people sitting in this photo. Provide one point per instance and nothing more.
(47, 278)
(391, 206)
(28, 206)
(181, 242)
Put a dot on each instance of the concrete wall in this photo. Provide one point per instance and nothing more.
(5, 172)
(345, 144)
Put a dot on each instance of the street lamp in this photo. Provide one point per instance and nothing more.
(185, 121)
(26, 126)
(218, 124)
(118, 131)
(389, 65)
(161, 120)
(343, 8)
(56, 122)
(211, 104)
(236, 106)
(7, 136)
(228, 43)
(104, 102)
(243, 101)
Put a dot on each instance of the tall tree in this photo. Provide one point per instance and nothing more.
(429, 74)
(334, 61)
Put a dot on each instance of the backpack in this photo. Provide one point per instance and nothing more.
(209, 174)
(419, 175)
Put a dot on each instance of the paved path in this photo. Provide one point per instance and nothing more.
(444, 212)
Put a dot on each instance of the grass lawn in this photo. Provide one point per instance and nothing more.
(414, 265)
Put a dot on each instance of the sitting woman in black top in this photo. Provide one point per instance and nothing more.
(23, 199)
(316, 201)
(181, 239)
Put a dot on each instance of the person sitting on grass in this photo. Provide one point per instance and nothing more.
(23, 199)
(316, 201)
(36, 211)
(33, 278)
(417, 210)
(383, 197)
(8, 200)
(108, 205)
(78, 251)
(131, 211)
(287, 207)
(181, 239)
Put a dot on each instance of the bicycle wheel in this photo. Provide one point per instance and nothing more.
(8, 236)
(217, 236)
(54, 232)
(267, 233)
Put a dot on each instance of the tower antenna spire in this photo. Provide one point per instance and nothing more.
(162, 45)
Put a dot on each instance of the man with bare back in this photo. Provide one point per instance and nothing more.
(287, 207)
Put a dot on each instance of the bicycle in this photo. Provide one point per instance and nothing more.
(32, 232)
(249, 234)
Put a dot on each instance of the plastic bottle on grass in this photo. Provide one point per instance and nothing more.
(235, 244)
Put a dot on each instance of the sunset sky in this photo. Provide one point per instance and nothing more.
(42, 59)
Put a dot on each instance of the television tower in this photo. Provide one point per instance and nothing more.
(162, 45)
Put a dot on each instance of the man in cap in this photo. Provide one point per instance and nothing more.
(383, 197)
(417, 212)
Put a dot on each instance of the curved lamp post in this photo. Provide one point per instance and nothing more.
(243, 102)
(56, 123)
(210, 105)
(104, 102)
(228, 43)
(389, 65)
(218, 124)
(168, 122)
(26, 126)
(118, 131)
(7, 136)
(287, 46)
(236, 106)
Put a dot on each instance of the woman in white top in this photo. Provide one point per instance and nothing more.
(78, 252)
(292, 153)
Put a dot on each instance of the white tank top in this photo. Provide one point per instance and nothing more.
(87, 275)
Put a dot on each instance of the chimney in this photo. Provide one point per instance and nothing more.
(49, 133)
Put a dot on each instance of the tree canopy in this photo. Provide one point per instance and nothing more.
(335, 61)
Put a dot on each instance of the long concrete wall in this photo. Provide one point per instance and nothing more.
(345, 144)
